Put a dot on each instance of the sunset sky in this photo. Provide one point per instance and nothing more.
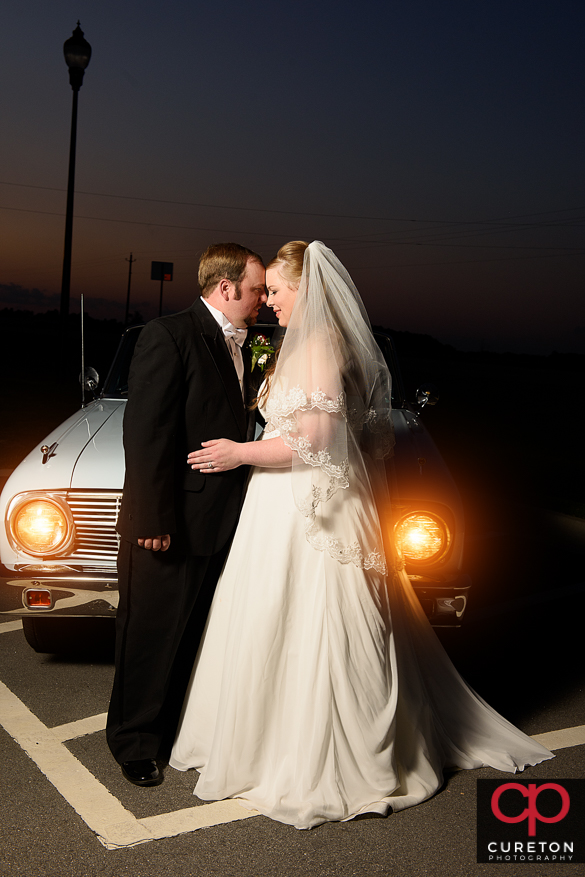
(436, 147)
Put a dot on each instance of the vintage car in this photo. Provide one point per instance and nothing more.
(58, 545)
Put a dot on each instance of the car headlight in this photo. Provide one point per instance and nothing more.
(421, 537)
(39, 524)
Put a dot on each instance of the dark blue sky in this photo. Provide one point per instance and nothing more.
(437, 147)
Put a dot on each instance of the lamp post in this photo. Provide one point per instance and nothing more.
(77, 53)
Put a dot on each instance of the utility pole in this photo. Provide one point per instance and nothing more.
(130, 260)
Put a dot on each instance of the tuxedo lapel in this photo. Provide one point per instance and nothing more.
(248, 383)
(250, 390)
(214, 340)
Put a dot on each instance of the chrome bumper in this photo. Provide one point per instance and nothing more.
(77, 596)
(444, 601)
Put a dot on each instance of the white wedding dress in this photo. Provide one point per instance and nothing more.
(320, 690)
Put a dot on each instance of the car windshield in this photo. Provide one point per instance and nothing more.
(116, 384)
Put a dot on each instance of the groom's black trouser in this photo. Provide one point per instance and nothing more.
(164, 602)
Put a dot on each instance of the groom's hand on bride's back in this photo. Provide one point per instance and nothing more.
(156, 543)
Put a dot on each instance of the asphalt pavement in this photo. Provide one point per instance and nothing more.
(521, 649)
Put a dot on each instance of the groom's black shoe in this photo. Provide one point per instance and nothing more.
(143, 772)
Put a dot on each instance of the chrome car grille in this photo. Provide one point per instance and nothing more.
(96, 542)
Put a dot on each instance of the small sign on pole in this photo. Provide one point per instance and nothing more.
(161, 271)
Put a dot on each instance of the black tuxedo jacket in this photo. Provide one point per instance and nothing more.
(182, 390)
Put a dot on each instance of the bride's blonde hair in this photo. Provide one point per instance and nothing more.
(289, 262)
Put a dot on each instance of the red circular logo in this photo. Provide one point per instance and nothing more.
(531, 812)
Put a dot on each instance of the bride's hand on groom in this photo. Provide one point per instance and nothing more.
(217, 455)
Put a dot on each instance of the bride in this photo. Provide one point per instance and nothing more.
(320, 691)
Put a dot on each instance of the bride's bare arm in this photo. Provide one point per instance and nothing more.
(225, 455)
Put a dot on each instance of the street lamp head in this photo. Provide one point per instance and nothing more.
(77, 53)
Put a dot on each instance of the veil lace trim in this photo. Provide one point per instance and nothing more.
(345, 554)
(282, 404)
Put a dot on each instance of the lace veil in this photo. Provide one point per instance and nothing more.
(330, 399)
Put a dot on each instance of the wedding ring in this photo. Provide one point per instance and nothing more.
(210, 465)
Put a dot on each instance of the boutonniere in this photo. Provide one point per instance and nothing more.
(261, 349)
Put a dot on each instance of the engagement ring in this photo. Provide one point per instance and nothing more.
(210, 465)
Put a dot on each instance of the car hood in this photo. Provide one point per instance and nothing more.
(88, 453)
(101, 461)
(419, 471)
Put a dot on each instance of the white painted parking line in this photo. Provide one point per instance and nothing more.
(192, 818)
(562, 739)
(7, 626)
(115, 826)
(80, 728)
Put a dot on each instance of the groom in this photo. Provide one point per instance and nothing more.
(189, 381)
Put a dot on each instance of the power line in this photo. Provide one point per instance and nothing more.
(295, 212)
(423, 236)
(575, 250)
(390, 267)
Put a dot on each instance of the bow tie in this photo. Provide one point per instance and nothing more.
(239, 335)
